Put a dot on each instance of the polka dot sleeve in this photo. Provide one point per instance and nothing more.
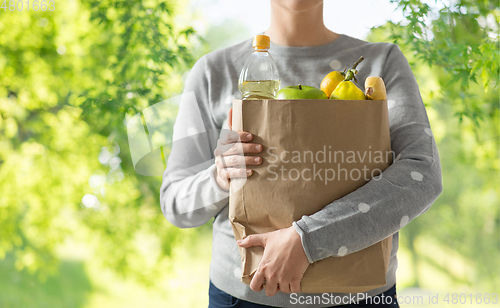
(405, 190)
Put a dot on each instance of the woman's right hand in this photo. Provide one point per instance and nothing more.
(231, 157)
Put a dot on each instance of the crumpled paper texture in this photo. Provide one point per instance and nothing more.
(260, 204)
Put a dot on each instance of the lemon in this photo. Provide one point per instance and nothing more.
(346, 90)
(331, 81)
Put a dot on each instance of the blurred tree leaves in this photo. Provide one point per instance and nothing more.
(69, 78)
(462, 38)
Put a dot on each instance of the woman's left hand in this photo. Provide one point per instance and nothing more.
(283, 263)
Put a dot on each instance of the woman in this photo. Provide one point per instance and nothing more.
(195, 187)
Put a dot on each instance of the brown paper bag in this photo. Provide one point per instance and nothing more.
(267, 202)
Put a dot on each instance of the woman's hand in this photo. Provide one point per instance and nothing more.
(283, 263)
(231, 156)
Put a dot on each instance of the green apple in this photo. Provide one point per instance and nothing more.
(300, 92)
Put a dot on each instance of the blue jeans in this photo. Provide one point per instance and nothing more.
(220, 299)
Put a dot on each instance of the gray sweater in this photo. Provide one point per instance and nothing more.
(190, 196)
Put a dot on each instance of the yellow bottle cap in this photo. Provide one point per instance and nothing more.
(261, 42)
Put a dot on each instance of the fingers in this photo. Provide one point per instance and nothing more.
(271, 271)
(284, 287)
(233, 173)
(231, 137)
(295, 286)
(257, 281)
(239, 160)
(225, 174)
(253, 240)
(271, 287)
(237, 148)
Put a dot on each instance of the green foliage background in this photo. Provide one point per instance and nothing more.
(70, 79)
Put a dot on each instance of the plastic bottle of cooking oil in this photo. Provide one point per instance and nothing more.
(259, 78)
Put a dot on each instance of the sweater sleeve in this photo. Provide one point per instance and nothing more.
(189, 194)
(405, 189)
